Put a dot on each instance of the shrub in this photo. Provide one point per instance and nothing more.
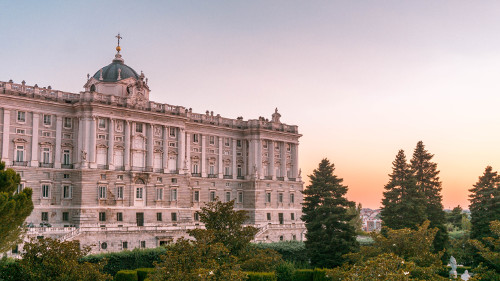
(320, 274)
(10, 270)
(261, 276)
(142, 273)
(254, 259)
(126, 275)
(303, 275)
(292, 251)
(284, 271)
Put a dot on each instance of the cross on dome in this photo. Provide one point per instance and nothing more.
(118, 48)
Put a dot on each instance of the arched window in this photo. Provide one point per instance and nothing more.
(92, 88)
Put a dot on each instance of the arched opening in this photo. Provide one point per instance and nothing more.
(92, 88)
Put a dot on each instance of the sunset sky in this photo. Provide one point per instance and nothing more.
(361, 79)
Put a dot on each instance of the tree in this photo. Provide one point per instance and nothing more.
(489, 249)
(402, 205)
(356, 221)
(428, 184)
(455, 217)
(329, 234)
(484, 203)
(14, 208)
(51, 259)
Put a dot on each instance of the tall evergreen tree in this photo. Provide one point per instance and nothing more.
(428, 184)
(403, 205)
(329, 234)
(484, 203)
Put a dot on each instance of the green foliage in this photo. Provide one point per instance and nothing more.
(259, 260)
(455, 217)
(292, 251)
(198, 260)
(461, 248)
(489, 248)
(303, 275)
(224, 225)
(261, 276)
(142, 273)
(329, 234)
(137, 258)
(445, 270)
(284, 271)
(51, 259)
(126, 275)
(14, 208)
(484, 203)
(356, 222)
(10, 270)
(321, 274)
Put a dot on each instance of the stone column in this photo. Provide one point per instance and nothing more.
(149, 148)
(57, 160)
(221, 152)
(283, 160)
(126, 153)
(187, 162)
(203, 160)
(234, 171)
(34, 140)
(111, 144)
(258, 148)
(81, 142)
(6, 136)
(181, 136)
(244, 168)
(251, 159)
(270, 149)
(295, 161)
(165, 150)
(92, 142)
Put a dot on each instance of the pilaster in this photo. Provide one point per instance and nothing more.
(235, 174)
(187, 163)
(149, 148)
(111, 143)
(272, 168)
(92, 142)
(126, 155)
(34, 140)
(181, 135)
(203, 161)
(57, 160)
(221, 152)
(283, 160)
(6, 136)
(165, 150)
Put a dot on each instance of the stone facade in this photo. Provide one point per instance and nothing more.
(115, 170)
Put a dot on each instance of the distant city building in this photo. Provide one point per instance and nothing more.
(112, 169)
(371, 220)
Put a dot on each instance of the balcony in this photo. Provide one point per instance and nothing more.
(268, 177)
(240, 177)
(280, 178)
(119, 168)
(137, 169)
(67, 166)
(197, 175)
(213, 176)
(20, 163)
(228, 176)
(292, 179)
(46, 165)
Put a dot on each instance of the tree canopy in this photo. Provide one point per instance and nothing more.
(484, 203)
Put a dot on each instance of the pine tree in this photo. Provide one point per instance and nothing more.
(329, 234)
(485, 203)
(426, 175)
(403, 205)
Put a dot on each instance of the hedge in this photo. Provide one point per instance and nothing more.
(142, 273)
(292, 251)
(137, 258)
(303, 275)
(319, 274)
(126, 275)
(10, 270)
(261, 276)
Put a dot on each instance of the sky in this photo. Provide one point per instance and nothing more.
(361, 79)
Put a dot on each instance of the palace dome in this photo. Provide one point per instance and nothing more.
(117, 67)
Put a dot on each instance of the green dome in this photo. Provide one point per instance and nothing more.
(110, 72)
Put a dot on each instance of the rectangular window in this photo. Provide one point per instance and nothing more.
(119, 192)
(172, 144)
(292, 216)
(65, 176)
(125, 245)
(292, 198)
(66, 157)
(227, 141)
(264, 144)
(196, 216)
(174, 216)
(159, 194)
(119, 139)
(212, 196)
(46, 155)
(174, 180)
(173, 195)
(65, 216)
(268, 197)
(212, 170)
(20, 131)
(67, 122)
(102, 216)
(280, 218)
(119, 177)
(172, 132)
(101, 137)
(211, 140)
(103, 176)
(138, 127)
(268, 216)
(21, 116)
(228, 196)
(67, 192)
(196, 196)
(240, 196)
(45, 216)
(47, 120)
(138, 192)
(46, 134)
(158, 217)
(238, 143)
(101, 124)
(239, 171)
(227, 171)
(20, 153)
(143, 244)
(102, 192)
(280, 197)
(288, 147)
(20, 188)
(195, 138)
(195, 168)
(45, 191)
(119, 216)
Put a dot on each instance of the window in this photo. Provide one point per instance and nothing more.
(294, 237)
(138, 127)
(19, 153)
(67, 136)
(212, 196)
(143, 244)
(173, 195)
(280, 197)
(67, 191)
(119, 139)
(239, 171)
(102, 216)
(65, 216)
(46, 134)
(264, 144)
(119, 177)
(174, 216)
(292, 216)
(101, 137)
(227, 171)
(292, 198)
(102, 192)
(138, 192)
(101, 124)
(228, 184)
(172, 144)
(159, 194)
(196, 216)
(66, 158)
(45, 191)
(119, 192)
(227, 141)
(280, 218)
(172, 132)
(45, 216)
(211, 140)
(20, 188)
(281, 238)
(46, 155)
(240, 196)
(212, 170)
(228, 196)
(125, 245)
(20, 131)
(196, 138)
(268, 197)
(288, 147)
(238, 143)
(67, 122)
(65, 176)
(196, 196)
(103, 176)
(158, 217)
(21, 116)
(47, 120)
(104, 245)
(119, 216)
(174, 180)
(268, 216)
(158, 143)
(195, 168)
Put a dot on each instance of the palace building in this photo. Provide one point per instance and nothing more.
(114, 170)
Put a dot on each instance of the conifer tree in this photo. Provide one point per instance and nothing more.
(329, 234)
(428, 184)
(485, 203)
(403, 205)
